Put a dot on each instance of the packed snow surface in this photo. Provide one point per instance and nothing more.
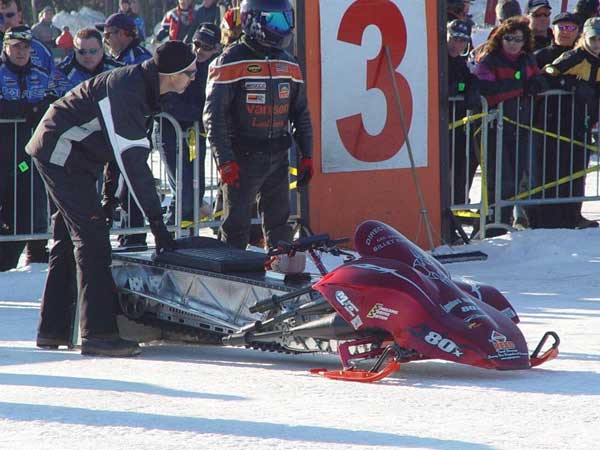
(191, 397)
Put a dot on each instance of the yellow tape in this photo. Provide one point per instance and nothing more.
(465, 120)
(553, 135)
(466, 214)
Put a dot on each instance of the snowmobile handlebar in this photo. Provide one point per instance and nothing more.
(321, 242)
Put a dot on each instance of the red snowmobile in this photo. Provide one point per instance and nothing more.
(393, 304)
(401, 304)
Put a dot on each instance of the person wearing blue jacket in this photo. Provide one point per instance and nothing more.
(187, 108)
(26, 91)
(121, 38)
(88, 58)
(12, 16)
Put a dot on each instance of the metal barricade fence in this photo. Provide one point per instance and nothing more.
(533, 153)
(204, 172)
(23, 203)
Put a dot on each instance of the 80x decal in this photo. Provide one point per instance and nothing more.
(444, 344)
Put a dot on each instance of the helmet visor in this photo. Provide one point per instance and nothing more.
(279, 21)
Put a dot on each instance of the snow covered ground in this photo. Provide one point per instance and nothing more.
(189, 397)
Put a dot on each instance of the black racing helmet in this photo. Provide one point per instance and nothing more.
(269, 22)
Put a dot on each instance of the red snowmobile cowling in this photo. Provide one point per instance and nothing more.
(397, 287)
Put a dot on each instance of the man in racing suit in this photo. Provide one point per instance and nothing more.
(255, 89)
(103, 119)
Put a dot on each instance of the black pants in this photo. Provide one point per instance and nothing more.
(79, 259)
(263, 177)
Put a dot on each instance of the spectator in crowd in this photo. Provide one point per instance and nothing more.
(505, 9)
(11, 12)
(187, 108)
(554, 117)
(110, 113)
(126, 7)
(586, 9)
(179, 23)
(208, 12)
(25, 92)
(539, 12)
(461, 83)
(139, 20)
(65, 41)
(44, 30)
(578, 69)
(247, 115)
(508, 73)
(565, 29)
(88, 59)
(231, 26)
(457, 9)
(120, 36)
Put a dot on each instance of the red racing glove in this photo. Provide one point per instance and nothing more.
(230, 173)
(305, 171)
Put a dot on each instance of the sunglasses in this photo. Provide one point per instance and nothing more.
(8, 15)
(517, 39)
(540, 15)
(83, 51)
(569, 28)
(203, 46)
(108, 34)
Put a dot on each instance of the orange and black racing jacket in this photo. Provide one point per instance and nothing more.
(252, 95)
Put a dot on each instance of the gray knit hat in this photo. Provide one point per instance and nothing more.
(505, 9)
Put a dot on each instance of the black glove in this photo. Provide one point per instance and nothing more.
(162, 238)
(536, 85)
(4, 228)
(586, 94)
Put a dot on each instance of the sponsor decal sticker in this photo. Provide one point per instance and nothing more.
(446, 345)
(254, 68)
(505, 349)
(346, 303)
(381, 312)
(356, 322)
(256, 99)
(256, 86)
(281, 68)
(284, 90)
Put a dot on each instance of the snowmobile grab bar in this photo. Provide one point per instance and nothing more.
(321, 242)
(536, 359)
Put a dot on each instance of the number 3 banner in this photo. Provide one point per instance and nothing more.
(361, 127)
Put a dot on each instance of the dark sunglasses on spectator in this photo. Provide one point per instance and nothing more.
(8, 15)
(107, 34)
(517, 39)
(83, 51)
(568, 27)
(541, 15)
(205, 47)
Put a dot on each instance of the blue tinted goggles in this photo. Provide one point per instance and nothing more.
(280, 21)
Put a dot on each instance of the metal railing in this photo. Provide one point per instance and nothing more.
(531, 153)
(185, 143)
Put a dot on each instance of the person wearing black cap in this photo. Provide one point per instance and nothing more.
(538, 12)
(565, 31)
(461, 83)
(554, 116)
(102, 119)
(577, 70)
(187, 108)
(255, 90)
(26, 91)
(121, 38)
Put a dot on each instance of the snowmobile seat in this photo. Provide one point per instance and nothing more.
(210, 254)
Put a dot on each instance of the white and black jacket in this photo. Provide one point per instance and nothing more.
(105, 120)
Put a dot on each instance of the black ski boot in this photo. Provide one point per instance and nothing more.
(115, 347)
